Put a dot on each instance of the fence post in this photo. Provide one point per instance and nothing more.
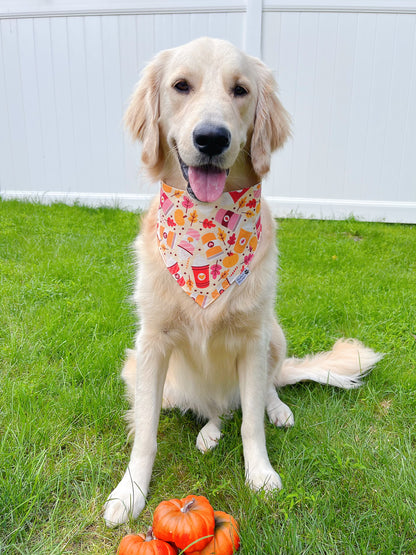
(253, 28)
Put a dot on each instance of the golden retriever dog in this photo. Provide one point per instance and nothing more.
(208, 118)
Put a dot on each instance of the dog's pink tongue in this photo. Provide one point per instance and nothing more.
(207, 184)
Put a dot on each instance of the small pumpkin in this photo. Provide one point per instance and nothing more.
(179, 218)
(184, 522)
(140, 544)
(226, 540)
(230, 260)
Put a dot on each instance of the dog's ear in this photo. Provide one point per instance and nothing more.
(271, 124)
(142, 115)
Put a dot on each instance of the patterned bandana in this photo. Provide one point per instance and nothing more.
(208, 246)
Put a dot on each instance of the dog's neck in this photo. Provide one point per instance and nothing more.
(207, 247)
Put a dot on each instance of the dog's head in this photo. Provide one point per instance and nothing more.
(208, 115)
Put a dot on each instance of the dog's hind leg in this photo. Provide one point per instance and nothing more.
(279, 414)
(170, 400)
(209, 435)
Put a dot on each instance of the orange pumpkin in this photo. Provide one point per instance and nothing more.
(226, 540)
(140, 544)
(230, 260)
(184, 522)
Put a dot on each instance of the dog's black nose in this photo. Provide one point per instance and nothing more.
(211, 139)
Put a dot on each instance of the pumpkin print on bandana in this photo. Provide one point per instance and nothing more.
(208, 246)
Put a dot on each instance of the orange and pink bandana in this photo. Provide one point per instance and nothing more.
(208, 246)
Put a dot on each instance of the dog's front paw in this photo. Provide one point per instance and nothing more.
(125, 501)
(265, 479)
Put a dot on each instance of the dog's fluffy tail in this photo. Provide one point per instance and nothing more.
(344, 366)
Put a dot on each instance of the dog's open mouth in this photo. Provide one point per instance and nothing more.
(206, 183)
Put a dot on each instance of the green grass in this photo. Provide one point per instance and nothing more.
(348, 465)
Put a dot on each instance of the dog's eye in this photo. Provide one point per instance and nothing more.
(182, 86)
(239, 90)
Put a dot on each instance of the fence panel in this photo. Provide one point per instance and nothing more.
(346, 71)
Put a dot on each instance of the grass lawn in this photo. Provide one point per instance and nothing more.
(348, 465)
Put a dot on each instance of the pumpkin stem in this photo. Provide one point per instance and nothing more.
(149, 535)
(188, 505)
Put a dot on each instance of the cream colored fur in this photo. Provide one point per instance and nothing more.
(231, 353)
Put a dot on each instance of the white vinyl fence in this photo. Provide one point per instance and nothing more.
(346, 71)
